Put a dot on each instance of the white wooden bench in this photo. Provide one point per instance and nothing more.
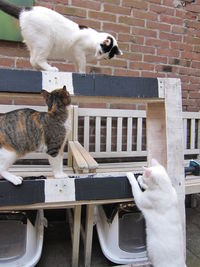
(117, 140)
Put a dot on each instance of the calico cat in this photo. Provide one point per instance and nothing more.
(49, 34)
(159, 205)
(27, 130)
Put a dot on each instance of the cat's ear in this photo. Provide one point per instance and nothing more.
(45, 94)
(64, 88)
(154, 162)
(119, 52)
(147, 172)
(107, 42)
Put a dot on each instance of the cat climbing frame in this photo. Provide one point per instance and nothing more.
(164, 139)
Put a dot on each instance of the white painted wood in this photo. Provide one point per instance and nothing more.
(8, 108)
(129, 134)
(97, 134)
(139, 134)
(75, 124)
(192, 134)
(55, 80)
(161, 88)
(111, 112)
(185, 132)
(108, 134)
(86, 132)
(57, 190)
(119, 134)
(76, 236)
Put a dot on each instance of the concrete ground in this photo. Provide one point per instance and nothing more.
(57, 244)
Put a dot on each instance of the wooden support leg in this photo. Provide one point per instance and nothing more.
(165, 137)
(89, 234)
(76, 235)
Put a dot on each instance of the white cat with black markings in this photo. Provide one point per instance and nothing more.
(159, 205)
(48, 34)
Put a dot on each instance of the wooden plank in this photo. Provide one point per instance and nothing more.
(139, 134)
(112, 113)
(129, 134)
(80, 161)
(119, 134)
(108, 134)
(86, 132)
(75, 123)
(97, 133)
(88, 234)
(76, 236)
(156, 133)
(192, 134)
(185, 132)
(92, 164)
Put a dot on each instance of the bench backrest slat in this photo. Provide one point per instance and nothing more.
(121, 133)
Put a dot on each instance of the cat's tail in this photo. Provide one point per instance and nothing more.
(10, 9)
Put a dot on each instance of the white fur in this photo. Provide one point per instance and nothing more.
(159, 205)
(48, 34)
(7, 158)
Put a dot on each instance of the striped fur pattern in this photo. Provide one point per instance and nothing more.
(26, 130)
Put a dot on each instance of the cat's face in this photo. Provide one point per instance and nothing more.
(155, 176)
(58, 97)
(108, 48)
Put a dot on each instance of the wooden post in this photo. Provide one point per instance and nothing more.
(165, 136)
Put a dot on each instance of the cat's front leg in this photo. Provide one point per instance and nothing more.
(16, 180)
(80, 63)
(57, 166)
(137, 192)
(141, 183)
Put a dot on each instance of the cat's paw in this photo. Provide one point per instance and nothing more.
(53, 69)
(141, 183)
(61, 175)
(17, 180)
(131, 177)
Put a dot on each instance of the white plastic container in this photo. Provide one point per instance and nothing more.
(21, 241)
(122, 240)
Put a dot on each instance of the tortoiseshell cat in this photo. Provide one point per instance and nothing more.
(26, 130)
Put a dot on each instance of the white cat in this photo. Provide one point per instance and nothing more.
(159, 205)
(48, 34)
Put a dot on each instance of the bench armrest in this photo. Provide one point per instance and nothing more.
(83, 161)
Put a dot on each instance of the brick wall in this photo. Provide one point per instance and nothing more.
(157, 39)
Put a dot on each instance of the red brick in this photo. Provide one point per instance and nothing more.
(145, 15)
(155, 59)
(179, 29)
(193, 8)
(131, 21)
(170, 37)
(7, 62)
(141, 66)
(115, 27)
(116, 2)
(144, 31)
(71, 11)
(88, 22)
(117, 9)
(114, 62)
(171, 20)
(135, 4)
(157, 42)
(102, 16)
(168, 52)
(158, 26)
(95, 5)
(143, 49)
(160, 9)
(123, 72)
(132, 56)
